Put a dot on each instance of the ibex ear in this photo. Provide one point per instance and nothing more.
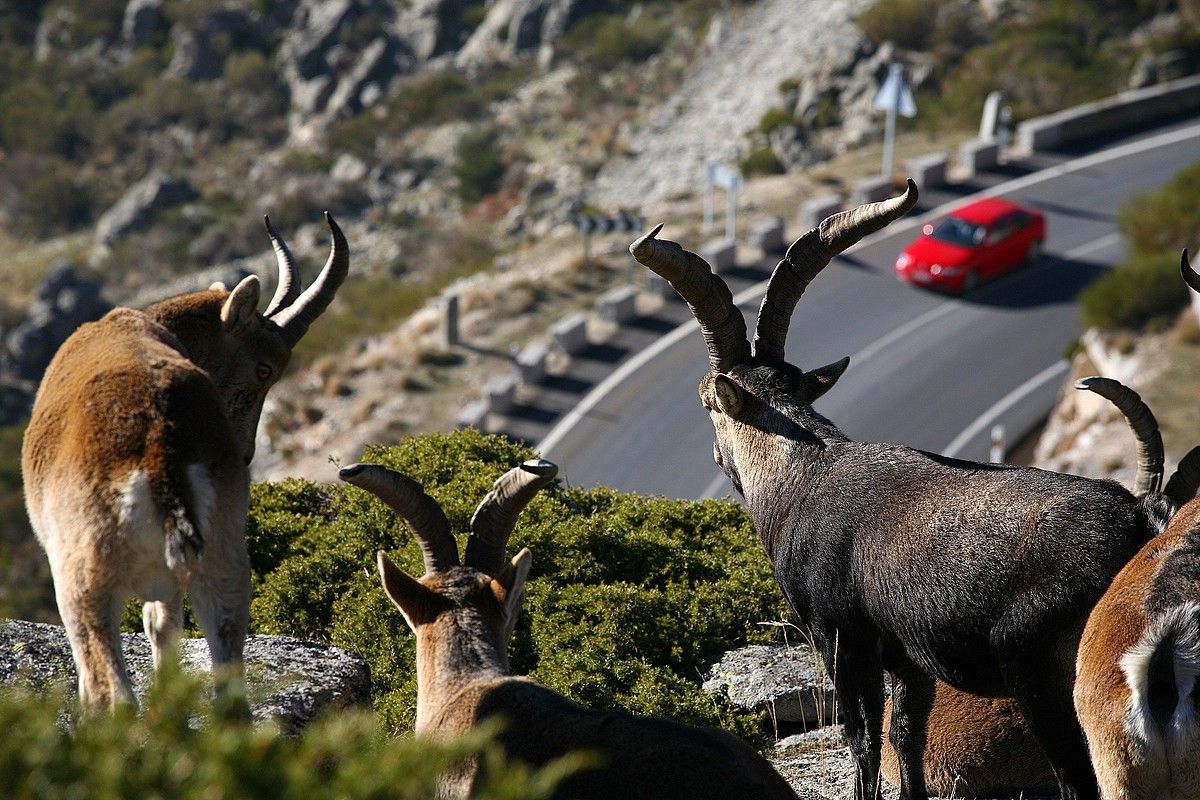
(241, 305)
(509, 587)
(729, 395)
(821, 380)
(406, 592)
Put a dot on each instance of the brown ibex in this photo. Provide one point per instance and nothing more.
(463, 616)
(1135, 690)
(136, 463)
(900, 560)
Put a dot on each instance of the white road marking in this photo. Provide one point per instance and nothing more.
(1053, 372)
(623, 372)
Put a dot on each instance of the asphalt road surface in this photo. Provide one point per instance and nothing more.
(926, 370)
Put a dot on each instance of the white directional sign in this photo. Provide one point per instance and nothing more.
(724, 177)
(895, 95)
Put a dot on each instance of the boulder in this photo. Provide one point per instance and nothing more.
(289, 681)
(787, 681)
(143, 22)
(140, 204)
(200, 52)
(512, 27)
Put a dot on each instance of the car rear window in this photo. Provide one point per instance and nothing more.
(958, 231)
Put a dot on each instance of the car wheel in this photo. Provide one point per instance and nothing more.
(970, 281)
(1034, 253)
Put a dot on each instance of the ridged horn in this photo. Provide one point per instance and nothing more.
(1189, 275)
(288, 288)
(708, 297)
(295, 318)
(408, 499)
(808, 255)
(1143, 424)
(1186, 480)
(497, 514)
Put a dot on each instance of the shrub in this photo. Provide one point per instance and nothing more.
(1167, 219)
(629, 598)
(761, 161)
(1142, 289)
(907, 23)
(477, 165)
(773, 118)
(177, 749)
(53, 200)
(605, 41)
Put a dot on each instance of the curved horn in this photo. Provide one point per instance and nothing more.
(1189, 275)
(295, 318)
(1186, 480)
(808, 255)
(497, 514)
(419, 510)
(1145, 428)
(288, 288)
(708, 297)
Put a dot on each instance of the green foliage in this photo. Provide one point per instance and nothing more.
(53, 200)
(606, 41)
(773, 118)
(629, 598)
(1165, 220)
(907, 23)
(478, 167)
(1142, 289)
(761, 161)
(176, 748)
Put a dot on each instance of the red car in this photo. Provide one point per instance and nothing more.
(973, 244)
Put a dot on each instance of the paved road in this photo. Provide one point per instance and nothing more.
(926, 370)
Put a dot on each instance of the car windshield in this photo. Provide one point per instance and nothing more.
(959, 232)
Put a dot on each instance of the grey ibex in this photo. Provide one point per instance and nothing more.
(463, 615)
(136, 463)
(900, 560)
(1135, 690)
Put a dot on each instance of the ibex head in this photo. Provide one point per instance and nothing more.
(244, 352)
(477, 602)
(751, 393)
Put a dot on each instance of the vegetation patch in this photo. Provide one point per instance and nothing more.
(629, 600)
(180, 747)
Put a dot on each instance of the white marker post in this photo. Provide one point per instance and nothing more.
(730, 180)
(894, 96)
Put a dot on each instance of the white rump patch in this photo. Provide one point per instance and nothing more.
(1181, 625)
(135, 502)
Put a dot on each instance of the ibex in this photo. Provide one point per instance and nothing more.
(901, 560)
(463, 616)
(136, 463)
(982, 746)
(1135, 690)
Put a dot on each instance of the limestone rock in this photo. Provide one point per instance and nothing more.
(289, 681)
(789, 682)
(200, 52)
(140, 204)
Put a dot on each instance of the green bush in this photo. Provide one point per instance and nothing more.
(178, 749)
(53, 200)
(629, 598)
(606, 41)
(477, 165)
(1143, 289)
(773, 118)
(907, 23)
(1165, 220)
(761, 161)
